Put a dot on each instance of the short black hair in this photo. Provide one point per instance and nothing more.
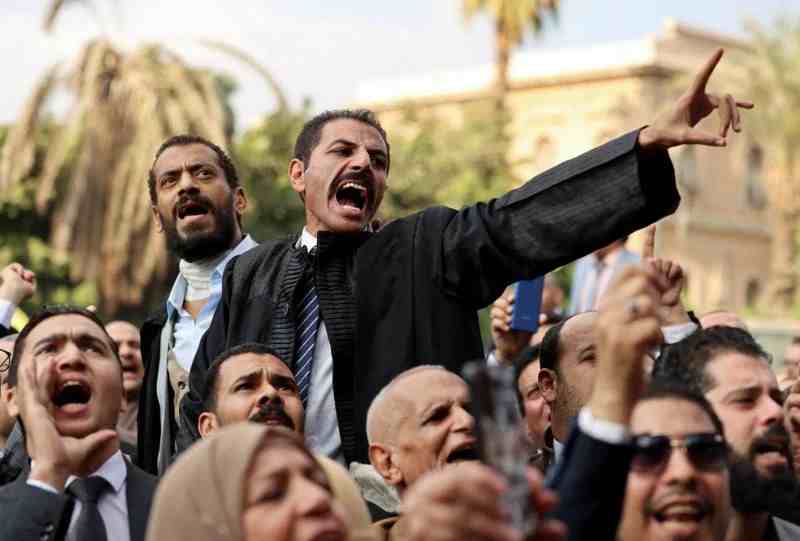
(312, 131)
(185, 139)
(687, 361)
(528, 356)
(46, 313)
(660, 389)
(550, 346)
(209, 391)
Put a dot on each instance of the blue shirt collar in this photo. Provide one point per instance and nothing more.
(178, 292)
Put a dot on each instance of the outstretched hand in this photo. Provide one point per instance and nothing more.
(677, 126)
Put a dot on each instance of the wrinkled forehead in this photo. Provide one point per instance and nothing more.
(247, 363)
(178, 157)
(670, 416)
(351, 131)
(70, 325)
(430, 387)
(731, 370)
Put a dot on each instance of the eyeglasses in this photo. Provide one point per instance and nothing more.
(5, 360)
(706, 451)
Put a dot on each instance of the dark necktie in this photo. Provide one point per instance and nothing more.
(90, 525)
(306, 333)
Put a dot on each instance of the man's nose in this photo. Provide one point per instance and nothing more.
(679, 468)
(71, 357)
(360, 159)
(186, 182)
(269, 394)
(464, 421)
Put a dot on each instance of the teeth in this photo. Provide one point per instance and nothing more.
(70, 383)
(354, 186)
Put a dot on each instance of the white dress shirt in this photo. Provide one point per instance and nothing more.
(112, 505)
(321, 424)
(188, 331)
(7, 309)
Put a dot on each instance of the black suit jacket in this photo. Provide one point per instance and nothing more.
(28, 513)
(408, 294)
(590, 480)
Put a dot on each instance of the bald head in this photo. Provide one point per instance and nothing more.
(420, 422)
(722, 318)
(394, 402)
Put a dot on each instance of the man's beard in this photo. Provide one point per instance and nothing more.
(755, 492)
(206, 245)
(273, 410)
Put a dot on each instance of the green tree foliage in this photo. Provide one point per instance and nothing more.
(262, 156)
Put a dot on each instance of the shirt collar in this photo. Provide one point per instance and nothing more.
(558, 449)
(178, 292)
(306, 240)
(114, 470)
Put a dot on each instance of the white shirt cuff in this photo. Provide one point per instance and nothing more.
(675, 333)
(7, 309)
(42, 485)
(599, 429)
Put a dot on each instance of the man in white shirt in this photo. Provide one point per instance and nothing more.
(66, 388)
(198, 205)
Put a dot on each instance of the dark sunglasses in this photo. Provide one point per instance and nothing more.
(707, 451)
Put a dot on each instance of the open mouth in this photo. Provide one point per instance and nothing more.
(463, 452)
(353, 195)
(687, 511)
(72, 392)
(191, 208)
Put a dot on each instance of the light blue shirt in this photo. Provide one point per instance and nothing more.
(188, 331)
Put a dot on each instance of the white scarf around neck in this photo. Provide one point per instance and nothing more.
(198, 276)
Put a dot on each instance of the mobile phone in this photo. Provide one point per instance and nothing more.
(501, 440)
(527, 305)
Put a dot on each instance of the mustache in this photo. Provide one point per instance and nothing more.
(776, 431)
(193, 197)
(272, 410)
(653, 506)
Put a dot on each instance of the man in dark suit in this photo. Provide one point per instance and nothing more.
(408, 294)
(66, 388)
(419, 427)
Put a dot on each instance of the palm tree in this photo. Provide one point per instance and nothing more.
(92, 179)
(771, 78)
(512, 20)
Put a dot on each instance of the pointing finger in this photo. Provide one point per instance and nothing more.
(702, 77)
(649, 246)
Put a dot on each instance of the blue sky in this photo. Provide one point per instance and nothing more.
(323, 49)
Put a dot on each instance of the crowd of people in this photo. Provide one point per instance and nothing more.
(311, 388)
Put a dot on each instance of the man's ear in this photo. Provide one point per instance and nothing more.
(382, 459)
(548, 383)
(297, 176)
(207, 424)
(239, 200)
(9, 396)
(157, 219)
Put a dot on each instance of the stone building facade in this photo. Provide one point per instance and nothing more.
(564, 102)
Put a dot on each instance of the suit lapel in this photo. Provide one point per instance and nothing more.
(139, 493)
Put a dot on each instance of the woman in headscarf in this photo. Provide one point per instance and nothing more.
(250, 482)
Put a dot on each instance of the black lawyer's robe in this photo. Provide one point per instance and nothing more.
(408, 294)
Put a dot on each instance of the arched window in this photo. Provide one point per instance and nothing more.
(754, 182)
(752, 292)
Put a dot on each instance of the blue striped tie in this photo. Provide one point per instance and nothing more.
(306, 336)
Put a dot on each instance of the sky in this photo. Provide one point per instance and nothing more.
(323, 49)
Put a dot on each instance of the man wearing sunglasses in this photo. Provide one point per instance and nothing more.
(678, 483)
(733, 371)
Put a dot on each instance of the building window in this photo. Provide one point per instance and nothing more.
(687, 170)
(754, 187)
(752, 292)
